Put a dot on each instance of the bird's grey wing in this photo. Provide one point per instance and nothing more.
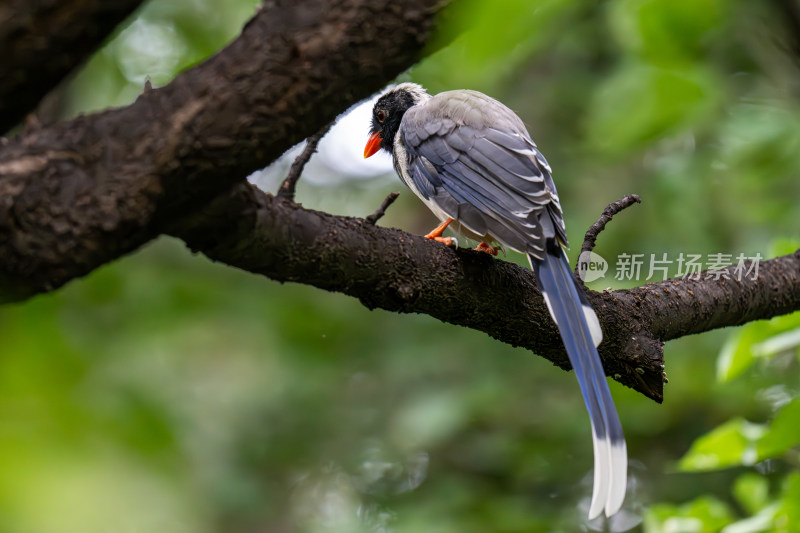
(491, 178)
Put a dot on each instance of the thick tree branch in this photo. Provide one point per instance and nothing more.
(43, 41)
(396, 271)
(81, 193)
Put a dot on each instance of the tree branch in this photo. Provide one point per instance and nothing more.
(393, 270)
(590, 239)
(288, 186)
(43, 41)
(81, 193)
(378, 214)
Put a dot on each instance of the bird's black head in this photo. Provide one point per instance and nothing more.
(387, 114)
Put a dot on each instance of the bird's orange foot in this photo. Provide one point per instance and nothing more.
(438, 230)
(485, 248)
(447, 241)
(436, 234)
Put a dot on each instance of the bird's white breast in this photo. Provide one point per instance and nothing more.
(400, 159)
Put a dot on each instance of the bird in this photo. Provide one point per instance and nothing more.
(472, 162)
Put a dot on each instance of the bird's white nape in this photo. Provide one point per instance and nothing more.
(417, 91)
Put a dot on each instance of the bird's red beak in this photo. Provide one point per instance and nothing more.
(373, 144)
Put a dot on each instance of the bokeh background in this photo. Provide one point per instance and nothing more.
(164, 393)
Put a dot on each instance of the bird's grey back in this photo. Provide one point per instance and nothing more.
(466, 107)
(473, 158)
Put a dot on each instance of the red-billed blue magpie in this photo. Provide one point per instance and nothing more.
(471, 160)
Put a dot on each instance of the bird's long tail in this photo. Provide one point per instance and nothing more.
(580, 332)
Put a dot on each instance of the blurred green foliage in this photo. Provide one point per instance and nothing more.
(166, 393)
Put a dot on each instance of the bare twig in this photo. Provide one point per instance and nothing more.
(287, 188)
(376, 216)
(590, 239)
(612, 209)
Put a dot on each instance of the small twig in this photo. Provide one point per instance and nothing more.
(287, 188)
(590, 239)
(389, 200)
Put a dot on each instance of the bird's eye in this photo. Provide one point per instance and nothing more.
(380, 115)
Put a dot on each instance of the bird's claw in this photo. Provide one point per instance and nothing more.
(485, 248)
(447, 241)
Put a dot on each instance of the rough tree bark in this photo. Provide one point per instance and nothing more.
(81, 193)
(43, 41)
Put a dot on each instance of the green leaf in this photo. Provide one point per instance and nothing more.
(735, 356)
(783, 432)
(760, 522)
(784, 247)
(788, 516)
(751, 490)
(778, 344)
(733, 443)
(757, 339)
(739, 442)
(703, 515)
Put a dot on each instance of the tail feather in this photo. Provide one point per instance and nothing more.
(580, 332)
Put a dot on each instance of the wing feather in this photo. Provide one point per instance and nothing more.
(491, 178)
